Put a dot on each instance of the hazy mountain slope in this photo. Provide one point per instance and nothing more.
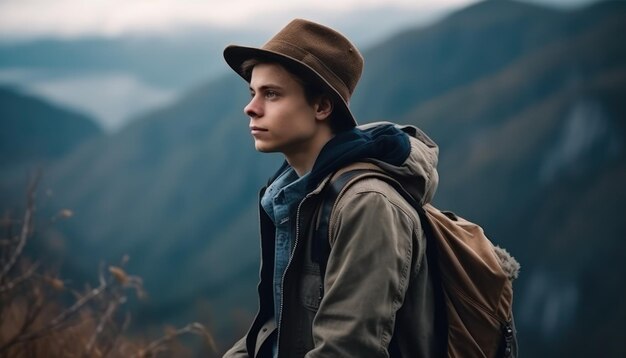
(174, 61)
(423, 63)
(34, 133)
(535, 92)
(34, 129)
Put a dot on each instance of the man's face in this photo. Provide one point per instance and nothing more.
(281, 119)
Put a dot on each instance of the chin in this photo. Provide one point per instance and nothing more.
(260, 147)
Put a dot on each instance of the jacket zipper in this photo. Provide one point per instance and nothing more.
(295, 245)
(282, 280)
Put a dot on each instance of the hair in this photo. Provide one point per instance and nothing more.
(313, 86)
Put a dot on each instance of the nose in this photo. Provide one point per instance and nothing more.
(254, 109)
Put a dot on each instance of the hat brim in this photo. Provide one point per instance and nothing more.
(235, 56)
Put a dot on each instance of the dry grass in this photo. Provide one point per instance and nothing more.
(40, 316)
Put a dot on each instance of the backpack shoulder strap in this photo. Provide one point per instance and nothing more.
(321, 237)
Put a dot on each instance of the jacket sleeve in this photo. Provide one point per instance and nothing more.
(238, 350)
(366, 276)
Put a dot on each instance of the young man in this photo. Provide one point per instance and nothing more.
(373, 296)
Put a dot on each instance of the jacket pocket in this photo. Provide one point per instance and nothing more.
(310, 290)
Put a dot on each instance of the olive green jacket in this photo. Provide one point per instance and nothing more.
(378, 299)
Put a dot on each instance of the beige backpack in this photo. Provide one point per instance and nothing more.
(475, 276)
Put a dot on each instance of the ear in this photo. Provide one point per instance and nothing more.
(323, 108)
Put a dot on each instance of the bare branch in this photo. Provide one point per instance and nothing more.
(78, 304)
(60, 320)
(26, 228)
(18, 280)
(31, 315)
(159, 345)
(108, 313)
(113, 342)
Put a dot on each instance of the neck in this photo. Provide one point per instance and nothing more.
(303, 159)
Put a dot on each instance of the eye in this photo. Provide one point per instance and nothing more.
(270, 94)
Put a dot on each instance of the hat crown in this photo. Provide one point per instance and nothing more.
(325, 47)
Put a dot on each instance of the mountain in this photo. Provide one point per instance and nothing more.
(526, 104)
(34, 129)
(151, 58)
(34, 134)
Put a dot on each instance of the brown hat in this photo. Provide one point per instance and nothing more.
(315, 48)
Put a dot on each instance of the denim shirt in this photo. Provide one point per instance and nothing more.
(280, 202)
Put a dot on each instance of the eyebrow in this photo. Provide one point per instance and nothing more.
(267, 86)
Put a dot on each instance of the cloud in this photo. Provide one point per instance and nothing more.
(75, 18)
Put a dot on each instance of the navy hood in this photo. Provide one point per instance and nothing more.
(384, 143)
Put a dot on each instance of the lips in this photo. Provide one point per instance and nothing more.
(255, 129)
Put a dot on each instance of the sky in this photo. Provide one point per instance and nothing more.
(73, 18)
(24, 19)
